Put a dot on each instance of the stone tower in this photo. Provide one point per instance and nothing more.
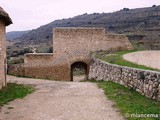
(5, 20)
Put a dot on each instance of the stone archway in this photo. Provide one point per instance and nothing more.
(72, 45)
(80, 65)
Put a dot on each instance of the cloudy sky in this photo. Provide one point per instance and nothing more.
(30, 14)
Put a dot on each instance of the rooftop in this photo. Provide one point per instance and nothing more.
(4, 16)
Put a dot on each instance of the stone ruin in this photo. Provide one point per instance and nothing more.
(71, 47)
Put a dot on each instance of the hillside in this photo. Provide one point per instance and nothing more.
(142, 26)
(15, 34)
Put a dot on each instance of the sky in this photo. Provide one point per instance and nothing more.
(31, 14)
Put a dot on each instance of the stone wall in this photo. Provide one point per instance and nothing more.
(2, 54)
(72, 45)
(144, 81)
(5, 20)
(70, 42)
(16, 69)
(48, 67)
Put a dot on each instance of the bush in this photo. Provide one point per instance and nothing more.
(153, 5)
(125, 9)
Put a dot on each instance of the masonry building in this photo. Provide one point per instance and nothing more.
(5, 20)
(72, 46)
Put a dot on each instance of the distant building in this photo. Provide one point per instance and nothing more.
(5, 20)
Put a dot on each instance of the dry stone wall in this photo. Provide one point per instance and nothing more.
(144, 81)
(16, 69)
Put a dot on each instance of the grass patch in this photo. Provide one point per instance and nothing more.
(129, 101)
(14, 91)
(117, 58)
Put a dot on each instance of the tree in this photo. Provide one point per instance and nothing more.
(153, 5)
(125, 9)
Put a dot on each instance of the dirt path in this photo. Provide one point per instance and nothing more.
(79, 78)
(147, 58)
(60, 101)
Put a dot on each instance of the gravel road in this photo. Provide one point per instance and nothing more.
(147, 58)
(55, 100)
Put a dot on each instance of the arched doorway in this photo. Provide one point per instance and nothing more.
(79, 71)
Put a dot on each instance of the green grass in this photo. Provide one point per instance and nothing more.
(117, 58)
(14, 91)
(129, 101)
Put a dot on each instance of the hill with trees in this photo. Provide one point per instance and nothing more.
(141, 25)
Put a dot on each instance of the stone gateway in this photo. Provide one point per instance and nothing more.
(5, 20)
(72, 46)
